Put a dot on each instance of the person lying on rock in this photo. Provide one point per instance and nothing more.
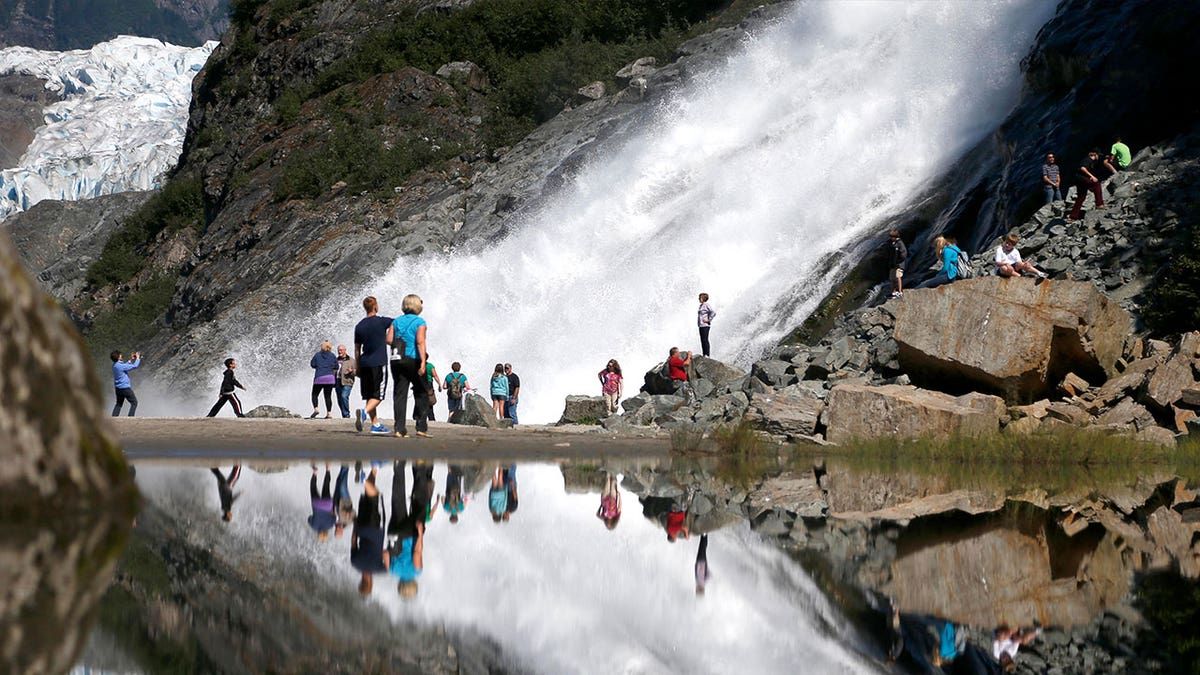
(1007, 641)
(1008, 260)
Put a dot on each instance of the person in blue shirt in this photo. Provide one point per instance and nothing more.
(947, 249)
(121, 382)
(406, 530)
(406, 336)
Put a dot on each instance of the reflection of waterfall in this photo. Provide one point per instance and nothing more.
(743, 184)
(558, 591)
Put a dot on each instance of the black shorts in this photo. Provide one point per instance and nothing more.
(370, 382)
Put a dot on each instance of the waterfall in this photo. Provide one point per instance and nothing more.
(741, 186)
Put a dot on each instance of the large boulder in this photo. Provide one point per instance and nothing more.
(584, 410)
(1011, 336)
(477, 412)
(903, 411)
(792, 412)
(706, 374)
(1170, 379)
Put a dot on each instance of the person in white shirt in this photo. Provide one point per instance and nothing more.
(1007, 641)
(1009, 263)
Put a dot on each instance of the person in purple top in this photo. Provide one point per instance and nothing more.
(121, 382)
(326, 365)
(323, 517)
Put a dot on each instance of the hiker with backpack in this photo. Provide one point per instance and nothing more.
(955, 263)
(456, 387)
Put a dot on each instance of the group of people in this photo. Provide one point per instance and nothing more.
(931, 644)
(1089, 174)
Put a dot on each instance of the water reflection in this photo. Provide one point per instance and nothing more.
(543, 588)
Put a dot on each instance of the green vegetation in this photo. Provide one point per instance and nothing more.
(135, 321)
(179, 204)
(1173, 302)
(1171, 605)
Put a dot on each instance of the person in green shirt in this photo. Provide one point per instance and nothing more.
(431, 379)
(1120, 151)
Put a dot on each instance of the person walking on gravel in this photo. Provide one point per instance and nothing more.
(229, 387)
(406, 335)
(370, 353)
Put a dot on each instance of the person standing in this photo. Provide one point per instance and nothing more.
(229, 385)
(704, 317)
(121, 383)
(454, 502)
(406, 531)
(514, 393)
(499, 389)
(897, 256)
(1087, 179)
(367, 552)
(431, 380)
(225, 490)
(324, 516)
(370, 353)
(325, 379)
(703, 574)
(456, 385)
(610, 385)
(610, 502)
(1121, 153)
(406, 335)
(1051, 180)
(345, 380)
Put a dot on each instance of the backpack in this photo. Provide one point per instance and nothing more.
(454, 386)
(963, 266)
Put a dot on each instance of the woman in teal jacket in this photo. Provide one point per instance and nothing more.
(499, 390)
(946, 248)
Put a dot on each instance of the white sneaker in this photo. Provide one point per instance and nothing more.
(897, 294)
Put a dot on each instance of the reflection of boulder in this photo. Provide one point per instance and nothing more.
(985, 576)
(1010, 336)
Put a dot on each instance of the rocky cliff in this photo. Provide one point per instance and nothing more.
(82, 24)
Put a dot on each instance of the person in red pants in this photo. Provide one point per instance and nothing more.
(1087, 177)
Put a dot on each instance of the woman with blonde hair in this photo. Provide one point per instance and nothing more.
(947, 250)
(326, 366)
(406, 335)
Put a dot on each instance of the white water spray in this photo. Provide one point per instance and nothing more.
(799, 145)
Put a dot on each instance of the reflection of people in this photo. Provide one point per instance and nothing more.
(454, 502)
(498, 496)
(367, 554)
(322, 519)
(344, 505)
(1007, 641)
(703, 574)
(510, 488)
(610, 502)
(406, 530)
(225, 490)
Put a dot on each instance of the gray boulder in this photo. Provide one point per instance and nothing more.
(792, 414)
(583, 410)
(862, 412)
(1010, 336)
(477, 412)
(1170, 379)
(466, 72)
(271, 412)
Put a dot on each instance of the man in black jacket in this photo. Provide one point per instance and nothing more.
(897, 255)
(229, 385)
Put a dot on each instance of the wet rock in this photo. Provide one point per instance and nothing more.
(857, 411)
(583, 410)
(272, 412)
(1025, 335)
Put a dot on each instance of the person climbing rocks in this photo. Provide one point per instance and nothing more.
(406, 335)
(704, 316)
(324, 379)
(611, 382)
(1051, 180)
(499, 389)
(121, 384)
(897, 256)
(1008, 260)
(370, 353)
(1121, 155)
(514, 393)
(228, 393)
(225, 490)
(345, 380)
(456, 385)
(1087, 178)
(945, 248)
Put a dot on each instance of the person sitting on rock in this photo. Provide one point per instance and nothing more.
(1120, 153)
(945, 248)
(1007, 641)
(1008, 260)
(677, 365)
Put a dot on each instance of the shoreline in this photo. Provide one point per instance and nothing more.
(183, 438)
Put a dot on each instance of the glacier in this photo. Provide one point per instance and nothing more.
(120, 124)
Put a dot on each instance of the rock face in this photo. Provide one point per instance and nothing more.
(584, 410)
(1011, 336)
(1170, 379)
(58, 443)
(22, 99)
(861, 411)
